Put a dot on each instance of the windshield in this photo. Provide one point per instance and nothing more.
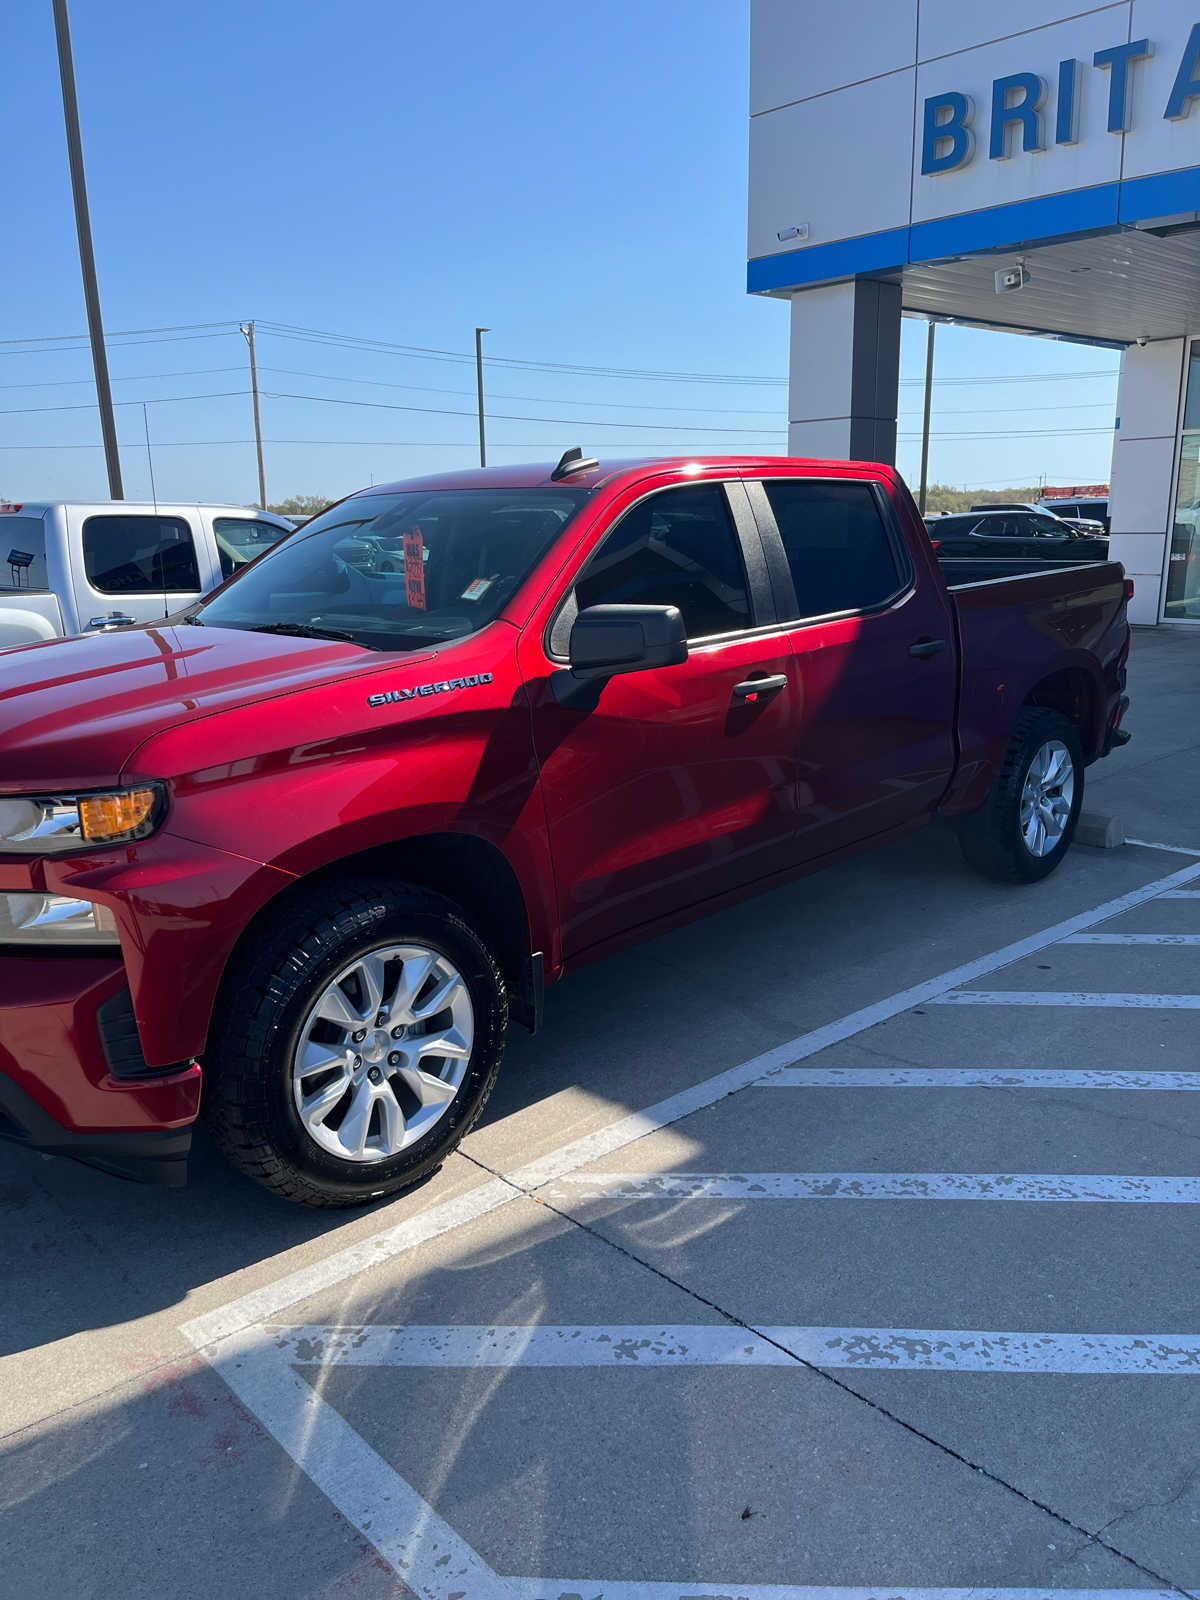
(398, 571)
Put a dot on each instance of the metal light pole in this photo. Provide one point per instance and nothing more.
(248, 330)
(479, 333)
(928, 408)
(87, 260)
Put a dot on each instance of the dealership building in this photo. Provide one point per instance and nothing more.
(1031, 167)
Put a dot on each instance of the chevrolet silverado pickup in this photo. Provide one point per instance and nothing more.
(294, 856)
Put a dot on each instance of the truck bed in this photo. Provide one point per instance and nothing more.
(1064, 623)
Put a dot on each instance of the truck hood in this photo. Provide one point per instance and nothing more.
(73, 711)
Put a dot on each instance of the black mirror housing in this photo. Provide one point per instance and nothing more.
(607, 640)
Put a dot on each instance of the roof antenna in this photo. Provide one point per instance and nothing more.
(162, 561)
(570, 461)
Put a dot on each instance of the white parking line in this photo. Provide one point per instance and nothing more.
(1053, 997)
(260, 1304)
(574, 1588)
(1133, 938)
(977, 1078)
(1171, 849)
(430, 1558)
(1033, 1187)
(724, 1345)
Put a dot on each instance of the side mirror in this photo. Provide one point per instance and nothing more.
(609, 640)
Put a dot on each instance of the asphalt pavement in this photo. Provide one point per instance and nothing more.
(843, 1244)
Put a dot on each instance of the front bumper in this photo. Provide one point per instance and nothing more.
(70, 1082)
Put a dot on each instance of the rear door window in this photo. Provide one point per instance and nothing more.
(23, 554)
(241, 539)
(140, 554)
(840, 551)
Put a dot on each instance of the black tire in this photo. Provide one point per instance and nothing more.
(272, 984)
(991, 837)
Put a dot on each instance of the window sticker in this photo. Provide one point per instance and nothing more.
(477, 590)
(414, 568)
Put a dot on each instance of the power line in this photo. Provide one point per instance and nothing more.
(183, 338)
(503, 416)
(120, 333)
(369, 444)
(160, 400)
(132, 377)
(538, 399)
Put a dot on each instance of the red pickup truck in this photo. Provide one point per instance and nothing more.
(295, 855)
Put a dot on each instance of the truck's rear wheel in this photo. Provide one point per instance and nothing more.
(1025, 827)
(356, 1042)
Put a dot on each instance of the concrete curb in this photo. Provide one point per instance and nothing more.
(1099, 831)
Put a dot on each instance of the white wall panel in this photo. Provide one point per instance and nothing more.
(950, 25)
(821, 352)
(1095, 159)
(799, 48)
(840, 163)
(1140, 501)
(1148, 391)
(1153, 144)
(828, 440)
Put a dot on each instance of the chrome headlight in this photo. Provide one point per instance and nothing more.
(50, 825)
(42, 919)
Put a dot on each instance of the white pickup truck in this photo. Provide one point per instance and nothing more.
(68, 567)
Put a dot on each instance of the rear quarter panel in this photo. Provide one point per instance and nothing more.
(1015, 634)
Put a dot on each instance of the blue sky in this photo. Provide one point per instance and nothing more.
(572, 177)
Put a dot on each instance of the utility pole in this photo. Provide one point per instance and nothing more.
(928, 409)
(479, 333)
(248, 330)
(87, 260)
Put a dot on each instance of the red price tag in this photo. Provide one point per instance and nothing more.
(414, 569)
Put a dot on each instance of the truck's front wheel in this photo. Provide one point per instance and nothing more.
(1025, 827)
(356, 1042)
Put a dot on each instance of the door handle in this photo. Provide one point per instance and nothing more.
(751, 688)
(927, 647)
(113, 620)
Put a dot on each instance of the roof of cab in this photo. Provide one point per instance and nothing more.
(537, 475)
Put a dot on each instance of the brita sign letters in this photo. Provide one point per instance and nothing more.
(1023, 119)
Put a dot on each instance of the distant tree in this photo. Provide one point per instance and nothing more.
(301, 505)
(942, 497)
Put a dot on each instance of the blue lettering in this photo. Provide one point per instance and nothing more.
(1023, 112)
(1066, 128)
(942, 129)
(1119, 59)
(1187, 85)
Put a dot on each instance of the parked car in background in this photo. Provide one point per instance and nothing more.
(70, 566)
(1091, 509)
(1024, 539)
(1007, 505)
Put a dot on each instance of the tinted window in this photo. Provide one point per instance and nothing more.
(836, 543)
(139, 555)
(950, 527)
(398, 570)
(677, 548)
(1047, 528)
(999, 528)
(241, 539)
(23, 553)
